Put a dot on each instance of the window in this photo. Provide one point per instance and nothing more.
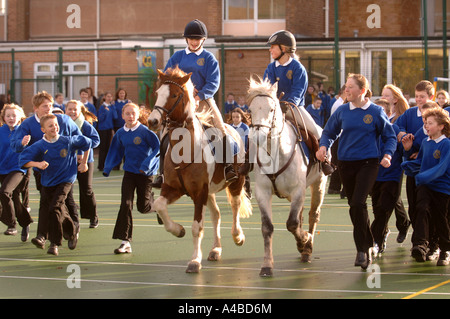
(75, 77)
(254, 9)
(2, 7)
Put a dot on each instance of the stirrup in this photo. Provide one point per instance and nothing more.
(159, 180)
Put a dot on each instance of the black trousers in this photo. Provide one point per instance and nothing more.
(13, 209)
(384, 199)
(142, 184)
(335, 178)
(105, 141)
(88, 203)
(431, 210)
(402, 221)
(358, 178)
(54, 211)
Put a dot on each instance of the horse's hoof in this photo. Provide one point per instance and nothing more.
(214, 255)
(240, 240)
(193, 267)
(182, 232)
(266, 272)
(306, 258)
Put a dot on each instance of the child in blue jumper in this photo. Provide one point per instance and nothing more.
(139, 146)
(12, 177)
(85, 120)
(106, 116)
(359, 124)
(431, 169)
(56, 158)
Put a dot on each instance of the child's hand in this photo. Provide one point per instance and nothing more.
(386, 161)
(26, 139)
(407, 141)
(82, 168)
(321, 154)
(42, 165)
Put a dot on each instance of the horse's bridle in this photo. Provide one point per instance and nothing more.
(270, 127)
(162, 110)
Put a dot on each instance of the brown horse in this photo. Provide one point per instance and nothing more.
(190, 166)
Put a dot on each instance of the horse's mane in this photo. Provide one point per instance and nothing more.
(205, 115)
(259, 86)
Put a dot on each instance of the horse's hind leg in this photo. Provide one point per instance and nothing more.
(195, 264)
(216, 250)
(317, 195)
(236, 230)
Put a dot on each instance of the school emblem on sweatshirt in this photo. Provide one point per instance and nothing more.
(368, 119)
(437, 154)
(63, 153)
(201, 61)
(137, 140)
(289, 74)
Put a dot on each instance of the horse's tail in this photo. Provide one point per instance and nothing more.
(245, 209)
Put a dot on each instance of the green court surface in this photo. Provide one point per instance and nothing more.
(156, 267)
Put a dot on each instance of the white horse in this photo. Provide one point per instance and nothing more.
(281, 168)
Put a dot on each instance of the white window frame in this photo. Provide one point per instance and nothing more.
(53, 73)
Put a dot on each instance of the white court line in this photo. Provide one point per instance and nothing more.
(224, 286)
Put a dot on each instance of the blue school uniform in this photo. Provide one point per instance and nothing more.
(89, 131)
(32, 126)
(106, 117)
(60, 106)
(139, 145)
(204, 67)
(61, 156)
(228, 107)
(118, 106)
(410, 121)
(393, 172)
(432, 165)
(361, 128)
(9, 161)
(91, 108)
(292, 80)
(316, 114)
(243, 131)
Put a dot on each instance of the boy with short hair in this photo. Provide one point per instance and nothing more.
(56, 158)
(431, 169)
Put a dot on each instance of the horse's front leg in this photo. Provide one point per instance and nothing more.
(160, 205)
(195, 264)
(265, 206)
(294, 222)
(216, 251)
(317, 196)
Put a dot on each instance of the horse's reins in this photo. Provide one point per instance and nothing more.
(162, 110)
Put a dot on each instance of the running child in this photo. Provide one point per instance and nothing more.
(56, 158)
(13, 178)
(139, 146)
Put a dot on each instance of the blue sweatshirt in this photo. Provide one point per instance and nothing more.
(393, 172)
(89, 131)
(9, 160)
(32, 127)
(139, 145)
(432, 165)
(61, 156)
(361, 128)
(410, 121)
(106, 117)
(292, 80)
(243, 131)
(118, 106)
(316, 114)
(204, 67)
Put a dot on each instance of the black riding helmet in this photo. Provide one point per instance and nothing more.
(195, 30)
(285, 38)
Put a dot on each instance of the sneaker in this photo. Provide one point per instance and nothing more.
(11, 231)
(94, 222)
(402, 234)
(419, 254)
(53, 250)
(384, 244)
(39, 242)
(444, 258)
(124, 248)
(72, 244)
(25, 233)
(433, 254)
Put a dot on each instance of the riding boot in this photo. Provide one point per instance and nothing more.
(230, 173)
(159, 180)
(328, 168)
